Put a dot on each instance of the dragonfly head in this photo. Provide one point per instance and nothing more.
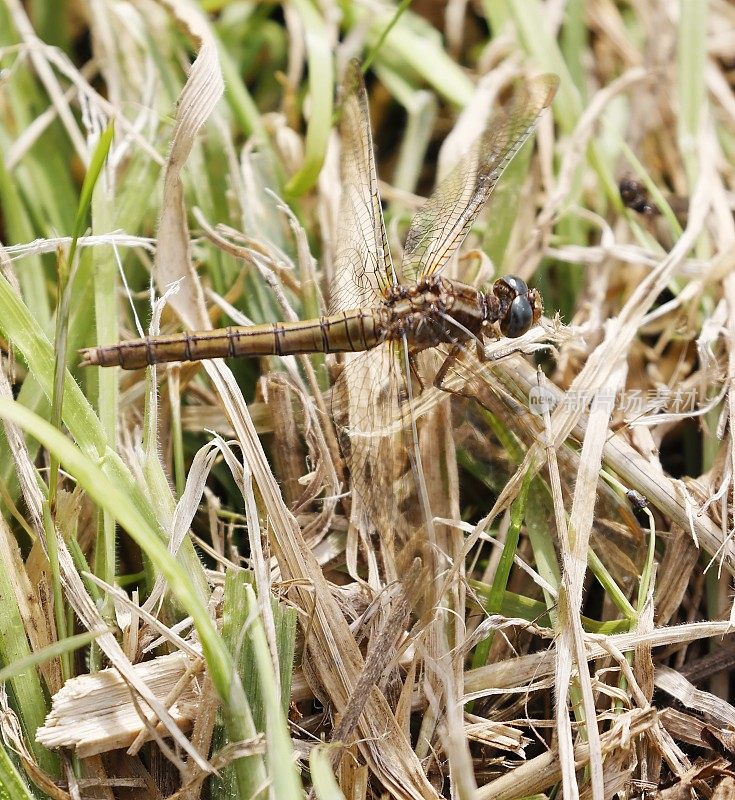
(520, 307)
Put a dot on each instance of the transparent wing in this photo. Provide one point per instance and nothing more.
(372, 410)
(439, 228)
(363, 266)
(370, 397)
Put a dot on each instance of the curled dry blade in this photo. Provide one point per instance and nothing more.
(372, 399)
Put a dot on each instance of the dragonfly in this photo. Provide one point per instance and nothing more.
(394, 312)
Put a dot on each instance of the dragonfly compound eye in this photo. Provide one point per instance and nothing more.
(519, 317)
(519, 313)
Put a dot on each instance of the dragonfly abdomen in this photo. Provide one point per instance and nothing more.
(354, 330)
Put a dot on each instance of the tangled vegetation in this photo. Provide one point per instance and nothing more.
(197, 599)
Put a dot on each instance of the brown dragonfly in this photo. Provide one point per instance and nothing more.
(396, 314)
(373, 301)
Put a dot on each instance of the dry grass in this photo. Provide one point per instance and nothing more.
(193, 527)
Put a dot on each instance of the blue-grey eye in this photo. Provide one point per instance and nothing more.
(519, 317)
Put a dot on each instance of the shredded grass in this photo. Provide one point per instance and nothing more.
(192, 601)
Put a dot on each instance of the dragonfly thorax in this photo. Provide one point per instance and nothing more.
(435, 310)
(438, 310)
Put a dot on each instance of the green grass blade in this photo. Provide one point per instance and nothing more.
(548, 56)
(66, 284)
(411, 46)
(96, 163)
(322, 774)
(370, 57)
(12, 785)
(19, 228)
(502, 574)
(321, 92)
(691, 58)
(282, 767)
(15, 652)
(68, 645)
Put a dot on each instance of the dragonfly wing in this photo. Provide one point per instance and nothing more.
(439, 228)
(372, 410)
(369, 407)
(363, 266)
(370, 398)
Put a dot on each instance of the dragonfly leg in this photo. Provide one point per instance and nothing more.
(416, 372)
(442, 373)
